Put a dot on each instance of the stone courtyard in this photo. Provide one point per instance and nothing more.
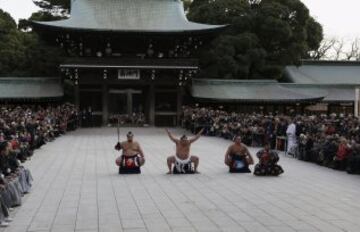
(77, 188)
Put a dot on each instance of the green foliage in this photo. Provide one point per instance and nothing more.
(25, 24)
(23, 53)
(264, 36)
(55, 7)
(217, 12)
(6, 22)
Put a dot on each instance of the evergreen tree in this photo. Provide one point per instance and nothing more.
(263, 36)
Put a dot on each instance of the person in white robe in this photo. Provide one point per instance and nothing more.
(291, 139)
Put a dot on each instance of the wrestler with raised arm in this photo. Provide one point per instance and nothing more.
(131, 151)
(182, 155)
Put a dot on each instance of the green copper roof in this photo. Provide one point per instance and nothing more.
(30, 88)
(250, 91)
(269, 91)
(331, 93)
(128, 16)
(323, 72)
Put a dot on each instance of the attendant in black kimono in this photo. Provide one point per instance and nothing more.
(267, 165)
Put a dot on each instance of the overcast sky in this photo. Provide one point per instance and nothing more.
(340, 18)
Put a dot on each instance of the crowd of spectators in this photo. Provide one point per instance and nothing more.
(329, 140)
(22, 130)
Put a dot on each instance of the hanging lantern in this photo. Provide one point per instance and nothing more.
(108, 49)
(88, 51)
(105, 74)
(153, 72)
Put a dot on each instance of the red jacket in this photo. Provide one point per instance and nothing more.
(342, 152)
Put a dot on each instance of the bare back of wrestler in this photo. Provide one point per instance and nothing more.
(183, 150)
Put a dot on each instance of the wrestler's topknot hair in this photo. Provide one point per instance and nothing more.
(236, 136)
(129, 134)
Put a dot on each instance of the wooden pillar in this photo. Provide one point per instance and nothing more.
(129, 102)
(180, 94)
(105, 104)
(151, 104)
(356, 103)
(77, 96)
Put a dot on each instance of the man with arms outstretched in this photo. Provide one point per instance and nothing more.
(182, 156)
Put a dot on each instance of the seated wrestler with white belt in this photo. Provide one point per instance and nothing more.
(238, 157)
(132, 154)
(182, 159)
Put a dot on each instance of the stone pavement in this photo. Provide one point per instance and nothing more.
(77, 188)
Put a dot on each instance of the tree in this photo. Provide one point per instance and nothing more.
(354, 52)
(282, 33)
(55, 7)
(23, 53)
(25, 24)
(323, 51)
(7, 23)
(337, 49)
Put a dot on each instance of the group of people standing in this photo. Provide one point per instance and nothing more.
(329, 140)
(237, 157)
(22, 130)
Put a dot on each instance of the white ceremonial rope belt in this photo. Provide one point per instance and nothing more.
(185, 161)
(180, 164)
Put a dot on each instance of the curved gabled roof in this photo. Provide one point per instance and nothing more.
(30, 88)
(157, 16)
(324, 72)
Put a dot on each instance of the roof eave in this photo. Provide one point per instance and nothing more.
(259, 100)
(208, 30)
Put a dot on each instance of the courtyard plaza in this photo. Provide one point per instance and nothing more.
(77, 188)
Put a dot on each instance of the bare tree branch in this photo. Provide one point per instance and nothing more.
(338, 49)
(354, 52)
(322, 53)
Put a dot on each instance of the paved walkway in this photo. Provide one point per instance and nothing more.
(77, 188)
